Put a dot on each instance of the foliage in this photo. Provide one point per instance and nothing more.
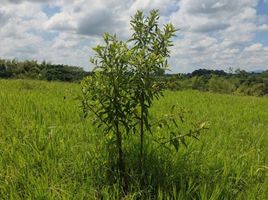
(207, 72)
(221, 85)
(235, 82)
(149, 58)
(43, 71)
(106, 94)
(242, 82)
(122, 88)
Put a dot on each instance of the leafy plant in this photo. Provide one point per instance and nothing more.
(107, 94)
(123, 85)
(150, 52)
(171, 123)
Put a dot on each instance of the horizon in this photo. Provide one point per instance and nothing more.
(167, 72)
(212, 33)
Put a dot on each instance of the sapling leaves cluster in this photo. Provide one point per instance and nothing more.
(106, 93)
(124, 84)
(150, 50)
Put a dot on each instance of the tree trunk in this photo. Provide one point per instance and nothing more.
(141, 164)
(121, 161)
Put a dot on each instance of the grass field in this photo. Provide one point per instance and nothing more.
(47, 151)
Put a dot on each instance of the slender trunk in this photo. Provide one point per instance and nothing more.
(121, 161)
(141, 164)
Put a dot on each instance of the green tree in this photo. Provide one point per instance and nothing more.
(121, 90)
(106, 94)
(123, 84)
(150, 52)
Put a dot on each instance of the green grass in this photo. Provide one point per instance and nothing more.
(47, 151)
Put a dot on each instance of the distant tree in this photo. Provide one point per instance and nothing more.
(47, 71)
(208, 72)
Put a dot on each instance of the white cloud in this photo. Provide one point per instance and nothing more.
(61, 22)
(254, 47)
(21, 1)
(213, 34)
(263, 27)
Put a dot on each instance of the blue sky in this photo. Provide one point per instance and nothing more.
(214, 34)
(50, 10)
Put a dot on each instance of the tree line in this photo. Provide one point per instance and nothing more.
(233, 82)
(43, 71)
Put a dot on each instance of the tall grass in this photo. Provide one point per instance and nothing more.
(48, 151)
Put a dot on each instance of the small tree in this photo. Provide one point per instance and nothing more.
(150, 52)
(124, 79)
(124, 83)
(106, 94)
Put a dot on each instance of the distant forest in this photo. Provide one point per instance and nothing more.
(232, 82)
(31, 69)
(236, 81)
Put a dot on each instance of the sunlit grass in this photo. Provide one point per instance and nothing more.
(47, 151)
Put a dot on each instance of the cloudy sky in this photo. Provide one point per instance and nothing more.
(214, 34)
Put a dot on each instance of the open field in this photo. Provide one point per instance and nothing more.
(47, 151)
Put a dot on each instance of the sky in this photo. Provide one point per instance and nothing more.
(213, 34)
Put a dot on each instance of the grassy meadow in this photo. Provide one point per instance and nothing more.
(48, 151)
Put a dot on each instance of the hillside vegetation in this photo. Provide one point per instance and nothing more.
(237, 82)
(48, 151)
(31, 69)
